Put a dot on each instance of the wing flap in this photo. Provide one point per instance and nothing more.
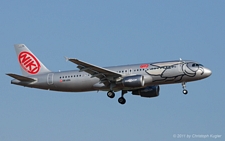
(21, 78)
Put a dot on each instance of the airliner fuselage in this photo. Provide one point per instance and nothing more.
(141, 79)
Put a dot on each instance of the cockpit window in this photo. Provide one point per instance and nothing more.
(196, 65)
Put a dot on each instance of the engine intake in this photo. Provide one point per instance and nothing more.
(151, 91)
(133, 81)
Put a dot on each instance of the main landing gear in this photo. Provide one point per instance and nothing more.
(184, 88)
(121, 100)
(110, 94)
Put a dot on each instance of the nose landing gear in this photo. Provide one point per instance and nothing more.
(184, 88)
(185, 91)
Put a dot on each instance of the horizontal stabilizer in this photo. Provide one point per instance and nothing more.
(20, 78)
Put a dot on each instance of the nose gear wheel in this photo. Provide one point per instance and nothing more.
(184, 88)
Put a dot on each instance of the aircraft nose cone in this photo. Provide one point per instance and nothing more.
(207, 72)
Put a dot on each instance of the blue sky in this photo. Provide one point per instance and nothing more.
(108, 33)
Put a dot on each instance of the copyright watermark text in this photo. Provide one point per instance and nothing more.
(197, 136)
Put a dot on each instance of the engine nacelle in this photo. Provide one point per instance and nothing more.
(151, 91)
(133, 81)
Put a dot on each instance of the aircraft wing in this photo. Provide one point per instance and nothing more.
(102, 73)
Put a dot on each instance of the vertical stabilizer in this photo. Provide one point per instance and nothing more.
(29, 63)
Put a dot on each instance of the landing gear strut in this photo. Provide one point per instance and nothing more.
(184, 88)
(122, 100)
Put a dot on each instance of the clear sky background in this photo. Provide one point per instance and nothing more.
(108, 33)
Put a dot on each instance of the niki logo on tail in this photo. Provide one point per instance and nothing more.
(29, 63)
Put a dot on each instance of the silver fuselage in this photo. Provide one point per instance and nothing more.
(158, 73)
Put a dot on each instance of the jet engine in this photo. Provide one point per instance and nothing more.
(151, 91)
(133, 81)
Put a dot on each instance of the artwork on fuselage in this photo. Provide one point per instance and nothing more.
(173, 71)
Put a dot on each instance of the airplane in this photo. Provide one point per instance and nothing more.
(139, 79)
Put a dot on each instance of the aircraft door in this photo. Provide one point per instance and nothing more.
(50, 78)
(180, 67)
